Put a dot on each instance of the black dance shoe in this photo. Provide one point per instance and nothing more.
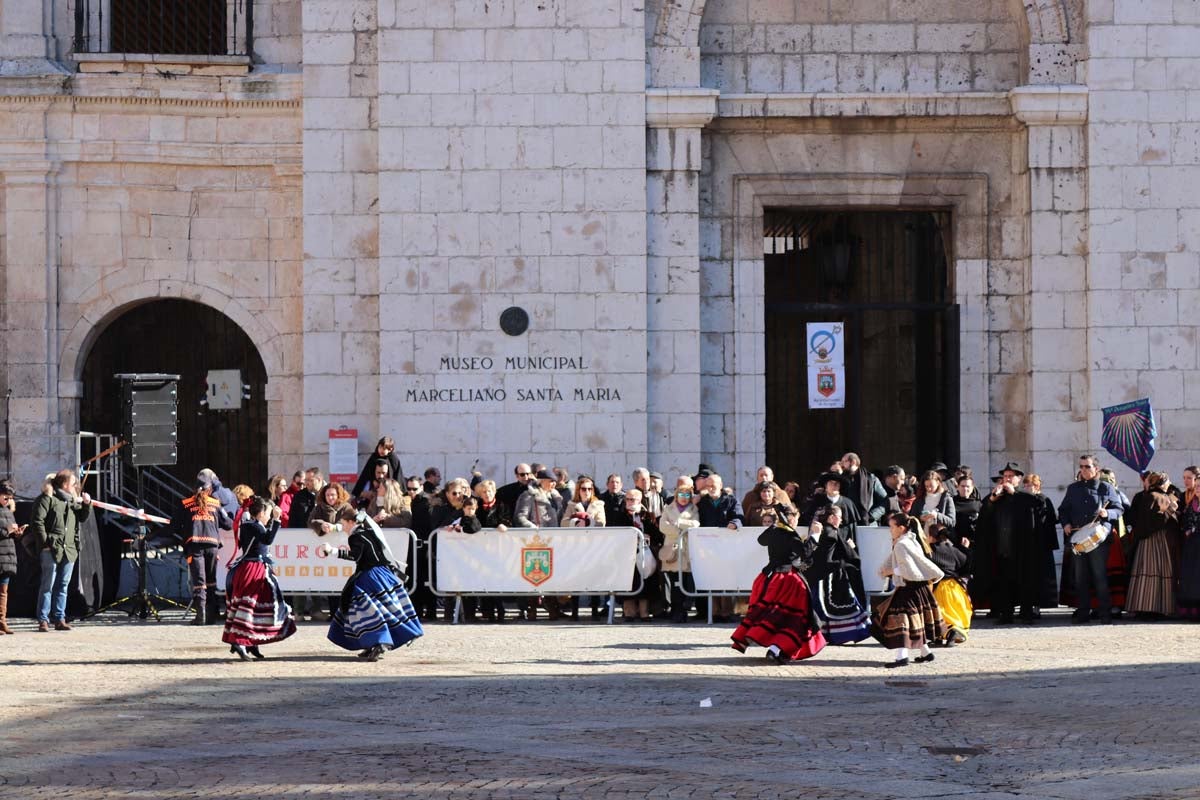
(903, 662)
(240, 652)
(923, 659)
(254, 651)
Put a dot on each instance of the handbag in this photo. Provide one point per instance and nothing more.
(646, 565)
(843, 618)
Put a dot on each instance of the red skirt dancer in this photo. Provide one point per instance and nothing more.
(255, 611)
(780, 615)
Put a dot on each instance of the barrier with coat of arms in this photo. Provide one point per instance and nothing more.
(537, 561)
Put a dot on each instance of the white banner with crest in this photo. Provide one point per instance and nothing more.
(537, 560)
(301, 569)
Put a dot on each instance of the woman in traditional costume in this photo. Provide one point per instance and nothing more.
(832, 568)
(1156, 562)
(1189, 560)
(255, 611)
(780, 617)
(375, 614)
(953, 558)
(910, 619)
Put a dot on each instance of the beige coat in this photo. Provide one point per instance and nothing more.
(909, 564)
(595, 510)
(673, 523)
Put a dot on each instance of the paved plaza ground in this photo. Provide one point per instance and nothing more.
(552, 710)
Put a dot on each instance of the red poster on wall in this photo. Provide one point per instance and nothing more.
(343, 455)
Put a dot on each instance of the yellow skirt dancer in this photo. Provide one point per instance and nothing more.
(955, 603)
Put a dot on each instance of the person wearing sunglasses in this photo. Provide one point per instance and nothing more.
(680, 515)
(1090, 499)
(509, 493)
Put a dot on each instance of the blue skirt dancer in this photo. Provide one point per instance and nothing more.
(376, 614)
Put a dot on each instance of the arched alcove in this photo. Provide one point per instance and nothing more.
(190, 339)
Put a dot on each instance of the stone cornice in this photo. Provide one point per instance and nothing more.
(831, 104)
(1050, 105)
(268, 90)
(692, 107)
(38, 157)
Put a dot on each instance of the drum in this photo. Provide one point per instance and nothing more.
(1089, 537)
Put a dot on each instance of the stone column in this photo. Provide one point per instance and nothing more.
(31, 319)
(674, 118)
(341, 224)
(26, 44)
(1058, 319)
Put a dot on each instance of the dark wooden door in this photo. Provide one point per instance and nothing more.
(188, 339)
(883, 275)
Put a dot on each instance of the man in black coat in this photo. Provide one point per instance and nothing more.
(509, 493)
(385, 451)
(306, 500)
(613, 496)
(1010, 551)
(864, 490)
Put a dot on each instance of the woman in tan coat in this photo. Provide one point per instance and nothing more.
(678, 516)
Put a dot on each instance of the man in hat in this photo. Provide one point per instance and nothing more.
(832, 492)
(1009, 549)
(947, 476)
(864, 490)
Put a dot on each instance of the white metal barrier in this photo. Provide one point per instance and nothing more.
(725, 562)
(302, 570)
(532, 562)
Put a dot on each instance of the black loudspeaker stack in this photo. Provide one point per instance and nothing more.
(150, 418)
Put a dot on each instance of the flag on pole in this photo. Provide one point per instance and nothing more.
(1129, 433)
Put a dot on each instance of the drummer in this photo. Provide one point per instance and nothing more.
(1089, 500)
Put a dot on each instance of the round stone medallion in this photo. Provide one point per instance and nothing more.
(514, 321)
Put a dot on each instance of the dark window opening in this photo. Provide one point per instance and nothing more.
(164, 27)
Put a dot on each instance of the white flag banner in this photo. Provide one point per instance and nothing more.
(541, 560)
(725, 560)
(301, 569)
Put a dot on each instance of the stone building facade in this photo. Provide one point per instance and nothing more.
(367, 190)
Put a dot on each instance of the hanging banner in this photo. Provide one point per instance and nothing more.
(827, 387)
(343, 455)
(300, 568)
(537, 561)
(825, 344)
(826, 365)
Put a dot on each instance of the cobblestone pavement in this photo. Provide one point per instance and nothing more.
(552, 710)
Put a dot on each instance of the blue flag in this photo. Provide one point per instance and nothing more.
(1129, 433)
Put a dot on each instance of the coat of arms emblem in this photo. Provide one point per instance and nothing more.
(826, 382)
(537, 560)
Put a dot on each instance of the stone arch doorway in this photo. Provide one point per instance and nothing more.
(187, 338)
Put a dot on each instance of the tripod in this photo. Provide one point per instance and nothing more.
(142, 602)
